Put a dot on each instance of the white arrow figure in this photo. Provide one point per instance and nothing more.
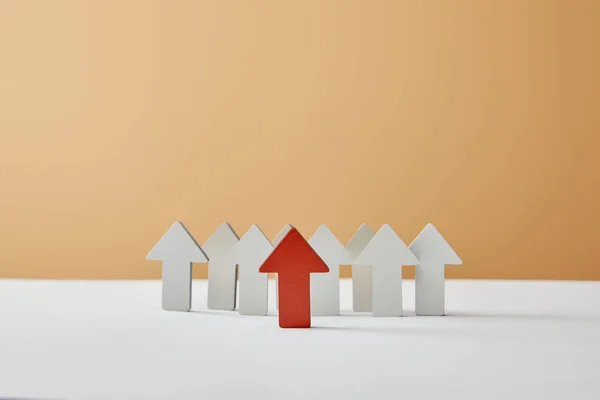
(387, 253)
(249, 254)
(276, 242)
(284, 231)
(222, 279)
(433, 253)
(362, 275)
(177, 250)
(325, 288)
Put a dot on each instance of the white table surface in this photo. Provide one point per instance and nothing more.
(111, 340)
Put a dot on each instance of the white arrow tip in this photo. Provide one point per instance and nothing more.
(253, 244)
(177, 244)
(359, 240)
(323, 230)
(254, 234)
(286, 229)
(430, 244)
(386, 247)
(326, 244)
(254, 229)
(387, 228)
(364, 225)
(220, 242)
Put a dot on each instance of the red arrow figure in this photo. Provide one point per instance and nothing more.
(293, 260)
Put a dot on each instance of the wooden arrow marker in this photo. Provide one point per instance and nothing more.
(325, 288)
(294, 260)
(249, 254)
(433, 253)
(222, 279)
(177, 250)
(362, 275)
(387, 253)
(276, 242)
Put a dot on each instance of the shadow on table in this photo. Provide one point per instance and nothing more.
(229, 314)
(492, 315)
(523, 316)
(462, 325)
(24, 398)
(454, 315)
(402, 330)
(215, 313)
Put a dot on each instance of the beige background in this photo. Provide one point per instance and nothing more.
(119, 117)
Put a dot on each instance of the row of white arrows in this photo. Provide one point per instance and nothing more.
(376, 259)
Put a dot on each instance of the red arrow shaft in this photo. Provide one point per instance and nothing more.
(294, 300)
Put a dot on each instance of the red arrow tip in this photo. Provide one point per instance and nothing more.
(294, 254)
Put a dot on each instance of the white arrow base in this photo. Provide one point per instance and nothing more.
(254, 292)
(176, 286)
(222, 286)
(362, 288)
(387, 291)
(429, 289)
(325, 292)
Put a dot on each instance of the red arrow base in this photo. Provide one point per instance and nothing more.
(294, 260)
(294, 300)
